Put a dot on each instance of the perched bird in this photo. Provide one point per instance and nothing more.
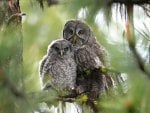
(90, 57)
(58, 67)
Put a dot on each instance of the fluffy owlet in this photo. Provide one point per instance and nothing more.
(89, 56)
(58, 67)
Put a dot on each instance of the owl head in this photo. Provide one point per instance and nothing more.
(77, 32)
(60, 48)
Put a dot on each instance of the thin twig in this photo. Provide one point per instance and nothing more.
(143, 34)
(131, 40)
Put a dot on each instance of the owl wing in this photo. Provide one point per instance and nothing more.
(104, 57)
(42, 63)
(87, 59)
(89, 79)
(102, 53)
(44, 71)
(91, 58)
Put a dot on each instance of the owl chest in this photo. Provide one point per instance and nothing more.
(62, 70)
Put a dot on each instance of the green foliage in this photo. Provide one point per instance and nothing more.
(91, 7)
(39, 28)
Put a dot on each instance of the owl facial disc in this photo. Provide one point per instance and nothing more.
(76, 32)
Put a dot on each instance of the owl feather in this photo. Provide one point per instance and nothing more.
(90, 56)
(58, 67)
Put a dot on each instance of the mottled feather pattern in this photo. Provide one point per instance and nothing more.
(60, 69)
(42, 63)
(90, 56)
(63, 73)
(87, 59)
(101, 53)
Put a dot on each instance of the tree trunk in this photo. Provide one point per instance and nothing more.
(11, 49)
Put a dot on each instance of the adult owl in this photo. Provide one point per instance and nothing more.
(58, 67)
(89, 56)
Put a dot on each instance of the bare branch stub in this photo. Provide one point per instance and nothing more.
(15, 12)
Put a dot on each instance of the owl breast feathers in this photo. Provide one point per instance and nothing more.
(58, 67)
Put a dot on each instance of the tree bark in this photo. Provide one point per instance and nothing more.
(11, 42)
(11, 50)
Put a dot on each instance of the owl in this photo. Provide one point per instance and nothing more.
(89, 56)
(58, 67)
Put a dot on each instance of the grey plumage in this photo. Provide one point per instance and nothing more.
(58, 67)
(75, 30)
(87, 59)
(89, 56)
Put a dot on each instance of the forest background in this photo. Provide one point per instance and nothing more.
(123, 27)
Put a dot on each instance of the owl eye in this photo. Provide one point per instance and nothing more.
(81, 32)
(70, 31)
(66, 49)
(56, 48)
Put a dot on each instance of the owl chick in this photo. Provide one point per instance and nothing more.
(89, 56)
(58, 67)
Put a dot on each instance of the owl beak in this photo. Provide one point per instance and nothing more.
(74, 39)
(61, 52)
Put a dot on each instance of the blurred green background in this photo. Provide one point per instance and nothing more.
(41, 26)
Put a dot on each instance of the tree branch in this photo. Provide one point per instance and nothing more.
(138, 2)
(131, 40)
